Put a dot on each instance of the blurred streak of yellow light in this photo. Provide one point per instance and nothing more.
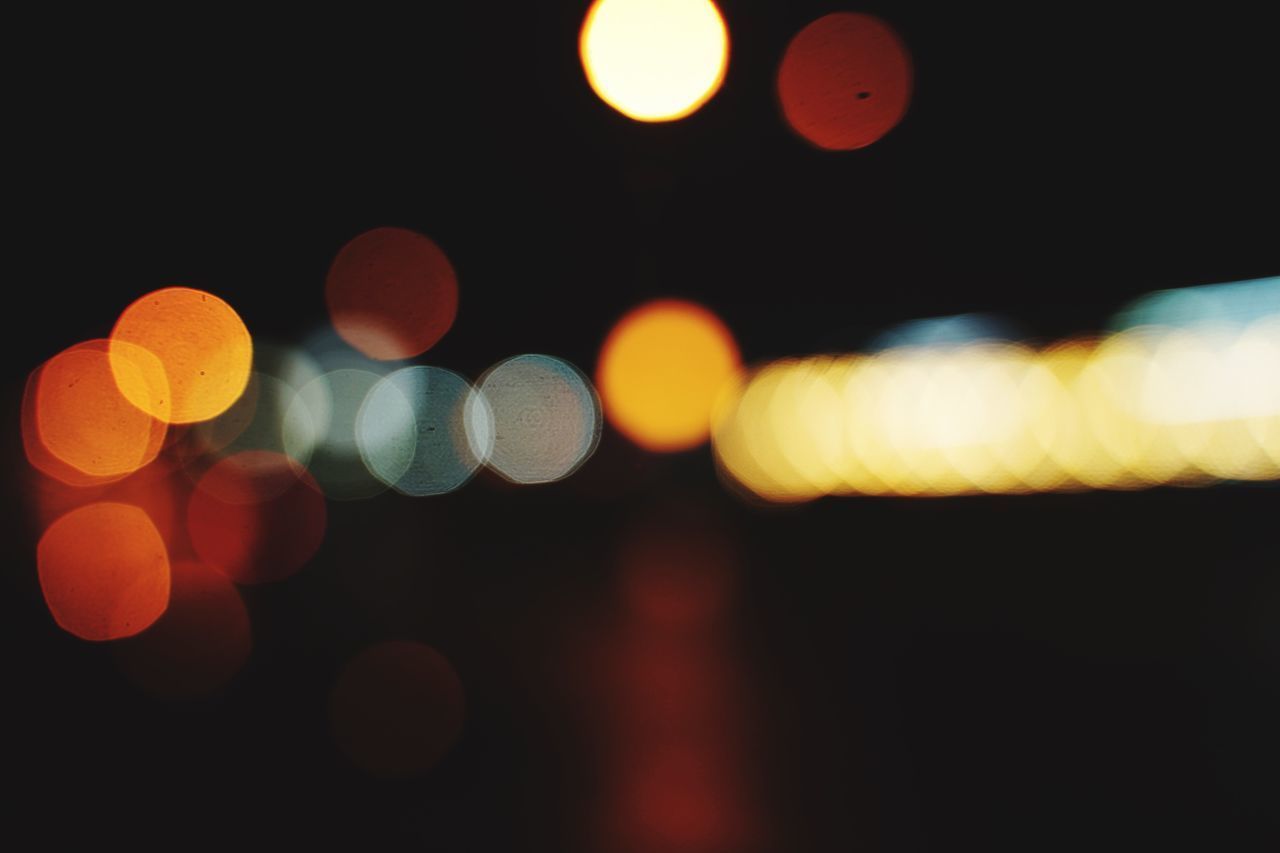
(654, 60)
(809, 434)
(1144, 407)
(201, 345)
(739, 415)
(1111, 392)
(1061, 426)
(660, 371)
(781, 483)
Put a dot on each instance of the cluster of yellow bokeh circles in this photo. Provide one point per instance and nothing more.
(1144, 407)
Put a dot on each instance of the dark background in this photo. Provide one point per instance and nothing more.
(1087, 671)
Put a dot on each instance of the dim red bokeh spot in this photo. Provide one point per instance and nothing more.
(392, 293)
(845, 81)
(104, 571)
(198, 645)
(396, 708)
(255, 517)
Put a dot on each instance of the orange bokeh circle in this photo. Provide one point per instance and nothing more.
(77, 426)
(104, 571)
(661, 370)
(200, 344)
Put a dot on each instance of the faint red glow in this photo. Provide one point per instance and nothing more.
(676, 750)
(674, 799)
(396, 708)
(845, 81)
(104, 571)
(392, 293)
(256, 518)
(198, 645)
(677, 578)
(77, 426)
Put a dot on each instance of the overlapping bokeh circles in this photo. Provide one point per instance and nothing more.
(257, 420)
(77, 425)
(541, 416)
(255, 518)
(412, 431)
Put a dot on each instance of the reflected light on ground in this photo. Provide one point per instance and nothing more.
(660, 371)
(256, 518)
(845, 81)
(676, 756)
(202, 346)
(391, 293)
(198, 645)
(654, 60)
(396, 708)
(104, 571)
(540, 416)
(77, 426)
(412, 431)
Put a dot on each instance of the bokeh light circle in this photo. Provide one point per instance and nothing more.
(845, 81)
(412, 431)
(104, 571)
(654, 60)
(201, 344)
(256, 518)
(660, 371)
(323, 421)
(78, 427)
(258, 420)
(396, 708)
(391, 293)
(200, 642)
(541, 416)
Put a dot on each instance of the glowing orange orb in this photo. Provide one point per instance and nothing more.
(200, 343)
(845, 81)
(654, 60)
(392, 293)
(661, 370)
(77, 426)
(104, 571)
